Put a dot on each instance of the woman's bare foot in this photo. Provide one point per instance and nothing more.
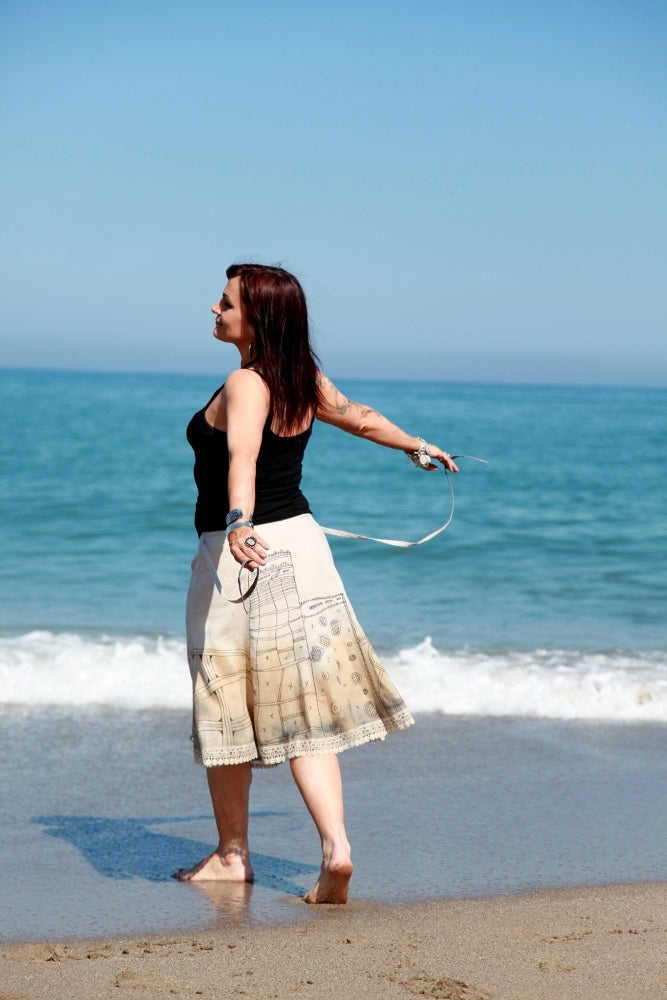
(333, 883)
(232, 866)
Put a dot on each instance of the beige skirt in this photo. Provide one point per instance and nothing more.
(288, 672)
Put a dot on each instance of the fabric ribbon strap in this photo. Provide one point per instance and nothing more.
(241, 599)
(397, 542)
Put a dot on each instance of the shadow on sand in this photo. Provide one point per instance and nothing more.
(129, 848)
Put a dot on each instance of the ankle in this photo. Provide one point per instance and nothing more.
(336, 847)
(230, 850)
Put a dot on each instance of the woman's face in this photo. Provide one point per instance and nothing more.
(230, 325)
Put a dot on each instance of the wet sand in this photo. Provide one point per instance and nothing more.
(100, 807)
(559, 826)
(606, 943)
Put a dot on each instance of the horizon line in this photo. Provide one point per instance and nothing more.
(509, 382)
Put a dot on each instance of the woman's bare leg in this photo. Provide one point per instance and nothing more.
(229, 785)
(319, 781)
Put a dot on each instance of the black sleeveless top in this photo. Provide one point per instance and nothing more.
(277, 482)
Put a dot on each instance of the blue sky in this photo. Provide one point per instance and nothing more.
(467, 189)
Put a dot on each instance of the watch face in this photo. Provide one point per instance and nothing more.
(234, 515)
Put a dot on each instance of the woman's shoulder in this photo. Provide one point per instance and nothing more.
(246, 392)
(328, 396)
(247, 383)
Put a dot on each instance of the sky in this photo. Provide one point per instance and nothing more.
(468, 190)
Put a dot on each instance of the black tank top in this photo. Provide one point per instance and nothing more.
(277, 482)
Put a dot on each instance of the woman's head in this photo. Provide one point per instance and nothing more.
(274, 308)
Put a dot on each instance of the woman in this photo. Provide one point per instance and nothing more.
(281, 668)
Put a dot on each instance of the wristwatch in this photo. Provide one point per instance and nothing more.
(233, 515)
(421, 457)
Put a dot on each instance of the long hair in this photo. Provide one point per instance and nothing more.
(275, 307)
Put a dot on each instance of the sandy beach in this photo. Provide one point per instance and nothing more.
(607, 943)
(532, 866)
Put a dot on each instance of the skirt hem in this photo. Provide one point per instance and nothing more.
(271, 756)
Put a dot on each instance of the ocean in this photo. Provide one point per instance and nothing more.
(546, 596)
(538, 617)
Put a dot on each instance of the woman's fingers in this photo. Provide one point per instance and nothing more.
(245, 544)
(438, 455)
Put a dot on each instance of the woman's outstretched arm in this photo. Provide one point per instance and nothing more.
(246, 400)
(363, 421)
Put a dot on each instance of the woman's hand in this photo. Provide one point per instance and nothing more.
(438, 455)
(247, 546)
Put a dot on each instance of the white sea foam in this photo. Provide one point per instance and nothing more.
(549, 684)
(43, 668)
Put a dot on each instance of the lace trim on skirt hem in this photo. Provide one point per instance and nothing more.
(229, 755)
(270, 756)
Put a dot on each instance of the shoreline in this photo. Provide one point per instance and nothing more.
(599, 943)
(482, 808)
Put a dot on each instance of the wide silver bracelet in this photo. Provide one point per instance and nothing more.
(239, 524)
(421, 457)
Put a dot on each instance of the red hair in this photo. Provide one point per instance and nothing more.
(274, 305)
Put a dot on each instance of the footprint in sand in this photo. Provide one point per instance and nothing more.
(128, 979)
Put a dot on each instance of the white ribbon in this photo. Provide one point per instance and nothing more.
(203, 548)
(397, 542)
(339, 533)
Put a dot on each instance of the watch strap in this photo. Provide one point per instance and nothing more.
(233, 515)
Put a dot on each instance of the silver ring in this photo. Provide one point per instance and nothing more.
(251, 542)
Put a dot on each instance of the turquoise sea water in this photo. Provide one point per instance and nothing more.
(547, 595)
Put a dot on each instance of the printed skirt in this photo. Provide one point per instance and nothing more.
(287, 671)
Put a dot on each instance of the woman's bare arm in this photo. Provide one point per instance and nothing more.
(363, 421)
(246, 401)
